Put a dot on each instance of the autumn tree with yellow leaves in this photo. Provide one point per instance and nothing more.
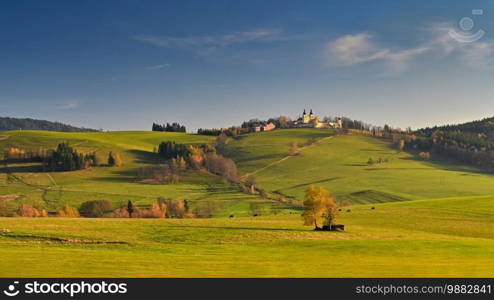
(319, 205)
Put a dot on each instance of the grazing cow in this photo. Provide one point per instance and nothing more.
(373, 207)
(231, 216)
(348, 210)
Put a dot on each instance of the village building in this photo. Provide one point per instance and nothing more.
(263, 127)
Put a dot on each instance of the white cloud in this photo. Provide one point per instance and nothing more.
(201, 43)
(156, 67)
(360, 48)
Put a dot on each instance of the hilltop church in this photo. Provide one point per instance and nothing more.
(311, 120)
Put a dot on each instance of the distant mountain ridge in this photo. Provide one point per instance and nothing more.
(8, 123)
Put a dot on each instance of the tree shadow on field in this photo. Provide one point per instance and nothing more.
(146, 157)
(28, 168)
(309, 183)
(243, 228)
(447, 165)
(130, 175)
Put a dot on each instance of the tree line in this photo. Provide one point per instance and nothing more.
(173, 127)
(63, 158)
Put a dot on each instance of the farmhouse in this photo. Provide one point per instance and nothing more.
(263, 127)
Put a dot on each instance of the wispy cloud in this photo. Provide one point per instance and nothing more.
(67, 105)
(361, 48)
(477, 54)
(156, 67)
(201, 43)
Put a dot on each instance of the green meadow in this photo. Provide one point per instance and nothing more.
(340, 165)
(404, 217)
(452, 237)
(116, 184)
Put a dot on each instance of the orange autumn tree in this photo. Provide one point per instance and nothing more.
(319, 205)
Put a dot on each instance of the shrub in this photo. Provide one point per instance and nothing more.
(157, 210)
(114, 159)
(68, 212)
(174, 208)
(222, 166)
(158, 174)
(121, 212)
(26, 210)
(425, 155)
(95, 208)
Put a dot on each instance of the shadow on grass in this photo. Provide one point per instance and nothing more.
(22, 169)
(146, 157)
(447, 165)
(308, 183)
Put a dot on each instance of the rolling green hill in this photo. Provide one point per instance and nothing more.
(117, 185)
(438, 219)
(339, 163)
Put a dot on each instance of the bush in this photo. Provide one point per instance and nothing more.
(95, 208)
(425, 155)
(114, 159)
(26, 210)
(174, 208)
(157, 210)
(222, 166)
(158, 174)
(68, 212)
(122, 212)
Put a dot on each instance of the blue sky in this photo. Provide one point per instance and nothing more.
(122, 65)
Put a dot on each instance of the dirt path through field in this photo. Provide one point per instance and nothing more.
(285, 158)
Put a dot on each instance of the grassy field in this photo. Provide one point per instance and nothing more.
(430, 218)
(451, 237)
(117, 185)
(340, 165)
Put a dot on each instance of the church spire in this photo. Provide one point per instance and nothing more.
(304, 112)
(311, 111)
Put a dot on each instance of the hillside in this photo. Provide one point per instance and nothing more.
(117, 185)
(484, 126)
(469, 143)
(437, 215)
(7, 123)
(339, 163)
